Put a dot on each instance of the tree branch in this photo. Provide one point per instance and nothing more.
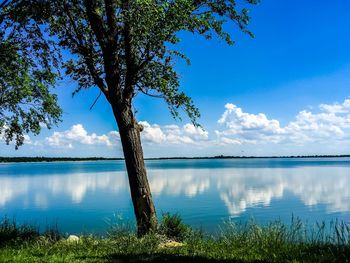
(93, 104)
(148, 94)
(131, 68)
(86, 52)
(96, 22)
(107, 43)
(111, 51)
(148, 58)
(4, 3)
(111, 7)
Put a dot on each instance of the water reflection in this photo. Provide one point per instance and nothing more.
(11, 188)
(41, 189)
(245, 190)
(77, 185)
(313, 186)
(324, 186)
(238, 188)
(189, 182)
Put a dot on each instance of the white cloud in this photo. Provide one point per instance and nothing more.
(321, 130)
(224, 141)
(78, 134)
(336, 107)
(195, 132)
(173, 134)
(242, 127)
(152, 133)
(332, 122)
(237, 120)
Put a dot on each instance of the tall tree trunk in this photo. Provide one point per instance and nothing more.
(129, 131)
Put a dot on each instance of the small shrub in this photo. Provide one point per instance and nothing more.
(10, 232)
(172, 227)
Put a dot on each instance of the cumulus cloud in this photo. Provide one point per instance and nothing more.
(332, 122)
(336, 107)
(237, 120)
(78, 134)
(236, 130)
(173, 134)
(241, 127)
(152, 134)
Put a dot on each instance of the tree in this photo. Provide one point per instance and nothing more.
(26, 76)
(126, 47)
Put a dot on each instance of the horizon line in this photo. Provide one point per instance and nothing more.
(53, 159)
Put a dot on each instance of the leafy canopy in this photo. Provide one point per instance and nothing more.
(125, 47)
(26, 76)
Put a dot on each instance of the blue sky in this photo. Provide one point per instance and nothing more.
(284, 92)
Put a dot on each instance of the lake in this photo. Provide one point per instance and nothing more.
(84, 197)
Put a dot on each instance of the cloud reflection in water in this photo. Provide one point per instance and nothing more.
(238, 188)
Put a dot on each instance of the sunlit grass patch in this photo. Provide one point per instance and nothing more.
(235, 242)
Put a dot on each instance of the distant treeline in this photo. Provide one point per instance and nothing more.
(75, 159)
(51, 159)
(287, 156)
(249, 157)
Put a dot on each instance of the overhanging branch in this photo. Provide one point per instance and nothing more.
(4, 3)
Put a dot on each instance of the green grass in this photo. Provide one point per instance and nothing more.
(248, 242)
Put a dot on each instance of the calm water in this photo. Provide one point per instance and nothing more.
(85, 196)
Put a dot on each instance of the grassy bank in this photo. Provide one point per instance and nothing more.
(175, 242)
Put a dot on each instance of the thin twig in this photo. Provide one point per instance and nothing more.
(3, 4)
(99, 95)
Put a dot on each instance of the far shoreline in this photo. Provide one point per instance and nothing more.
(84, 159)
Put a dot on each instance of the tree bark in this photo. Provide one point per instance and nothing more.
(129, 131)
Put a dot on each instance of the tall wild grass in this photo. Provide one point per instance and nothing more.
(235, 242)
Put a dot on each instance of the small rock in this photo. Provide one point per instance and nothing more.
(171, 244)
(73, 238)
